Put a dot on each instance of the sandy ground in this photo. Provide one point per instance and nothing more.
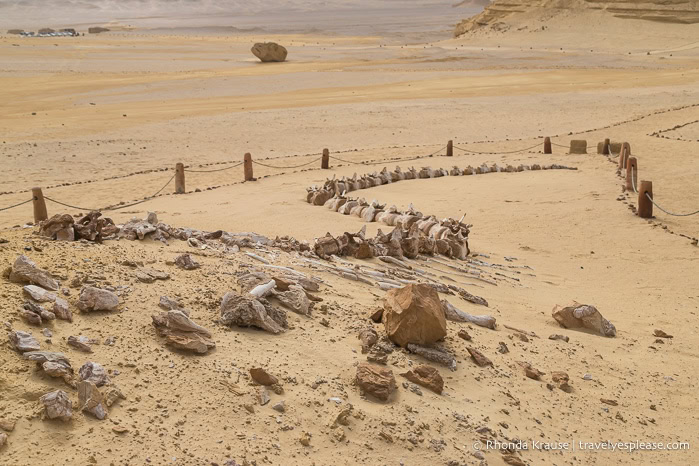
(113, 105)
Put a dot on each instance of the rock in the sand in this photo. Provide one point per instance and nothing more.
(95, 299)
(427, 376)
(23, 341)
(186, 262)
(93, 228)
(81, 343)
(52, 363)
(3, 439)
(413, 314)
(61, 310)
(39, 294)
(94, 373)
(295, 299)
(479, 358)
(559, 337)
(368, 337)
(182, 333)
(90, 399)
(57, 405)
(169, 304)
(244, 311)
(58, 225)
(263, 377)
(378, 382)
(583, 316)
(269, 52)
(24, 270)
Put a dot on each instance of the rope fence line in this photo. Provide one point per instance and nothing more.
(215, 170)
(499, 152)
(286, 168)
(17, 205)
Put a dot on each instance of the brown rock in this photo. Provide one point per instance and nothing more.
(559, 337)
(90, 399)
(660, 334)
(7, 424)
(95, 299)
(463, 334)
(57, 405)
(245, 311)
(531, 372)
(479, 358)
(413, 314)
(186, 262)
(376, 381)
(377, 316)
(427, 376)
(262, 377)
(24, 270)
(368, 337)
(270, 52)
(23, 341)
(583, 316)
(56, 224)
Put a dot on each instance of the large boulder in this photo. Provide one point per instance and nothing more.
(583, 316)
(413, 314)
(269, 52)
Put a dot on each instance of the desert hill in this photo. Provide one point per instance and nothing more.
(501, 13)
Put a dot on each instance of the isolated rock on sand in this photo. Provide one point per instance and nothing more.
(95, 299)
(378, 382)
(479, 358)
(170, 304)
(24, 270)
(90, 399)
(23, 341)
(244, 311)
(3, 439)
(413, 314)
(58, 225)
(57, 405)
(427, 376)
(579, 315)
(94, 373)
(186, 262)
(81, 343)
(269, 52)
(263, 377)
(182, 333)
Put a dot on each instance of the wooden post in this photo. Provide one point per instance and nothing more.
(247, 167)
(179, 179)
(605, 148)
(547, 146)
(325, 163)
(450, 148)
(39, 205)
(631, 173)
(626, 159)
(622, 153)
(645, 206)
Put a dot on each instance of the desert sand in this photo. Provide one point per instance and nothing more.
(103, 119)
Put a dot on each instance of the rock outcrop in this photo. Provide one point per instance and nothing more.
(501, 13)
(583, 316)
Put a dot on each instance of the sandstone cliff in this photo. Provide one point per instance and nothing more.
(500, 12)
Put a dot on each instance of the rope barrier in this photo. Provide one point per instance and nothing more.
(113, 207)
(559, 145)
(633, 183)
(16, 205)
(286, 168)
(215, 170)
(384, 162)
(668, 212)
(487, 153)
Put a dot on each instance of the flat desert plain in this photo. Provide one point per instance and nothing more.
(99, 120)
